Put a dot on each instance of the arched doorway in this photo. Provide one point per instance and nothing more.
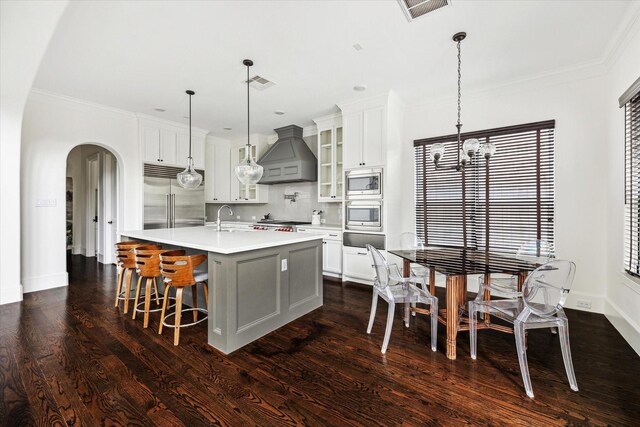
(92, 197)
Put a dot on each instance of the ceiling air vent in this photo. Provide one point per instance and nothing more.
(259, 83)
(416, 8)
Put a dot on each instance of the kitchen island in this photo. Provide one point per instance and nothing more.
(258, 280)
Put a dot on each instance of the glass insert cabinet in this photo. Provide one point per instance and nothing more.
(330, 167)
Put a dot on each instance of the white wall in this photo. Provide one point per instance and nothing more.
(623, 291)
(52, 127)
(576, 100)
(25, 31)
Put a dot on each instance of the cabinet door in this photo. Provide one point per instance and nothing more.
(221, 172)
(352, 146)
(151, 144)
(357, 264)
(332, 256)
(182, 149)
(372, 152)
(339, 167)
(197, 152)
(168, 146)
(325, 165)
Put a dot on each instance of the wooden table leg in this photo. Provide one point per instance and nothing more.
(406, 268)
(432, 281)
(487, 296)
(453, 293)
(521, 278)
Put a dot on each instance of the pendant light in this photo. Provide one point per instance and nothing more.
(248, 171)
(470, 147)
(189, 178)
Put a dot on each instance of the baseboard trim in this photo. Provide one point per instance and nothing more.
(10, 294)
(49, 281)
(629, 329)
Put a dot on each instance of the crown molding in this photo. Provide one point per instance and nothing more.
(618, 43)
(149, 118)
(84, 103)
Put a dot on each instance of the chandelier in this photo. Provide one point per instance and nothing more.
(468, 149)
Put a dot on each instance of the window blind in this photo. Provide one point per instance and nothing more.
(508, 200)
(632, 186)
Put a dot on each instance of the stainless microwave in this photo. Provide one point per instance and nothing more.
(363, 184)
(365, 215)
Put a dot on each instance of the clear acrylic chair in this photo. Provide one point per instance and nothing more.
(543, 295)
(411, 241)
(506, 286)
(395, 289)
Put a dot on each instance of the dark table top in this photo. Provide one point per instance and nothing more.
(458, 261)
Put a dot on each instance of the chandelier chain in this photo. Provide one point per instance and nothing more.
(459, 83)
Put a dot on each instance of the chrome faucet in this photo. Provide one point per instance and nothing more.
(218, 222)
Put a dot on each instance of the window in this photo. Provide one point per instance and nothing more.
(630, 100)
(508, 200)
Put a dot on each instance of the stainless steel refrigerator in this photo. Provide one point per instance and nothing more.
(166, 204)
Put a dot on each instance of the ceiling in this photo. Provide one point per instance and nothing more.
(138, 56)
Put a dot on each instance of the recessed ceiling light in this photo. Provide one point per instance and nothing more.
(227, 128)
(279, 112)
(360, 88)
(160, 109)
(358, 46)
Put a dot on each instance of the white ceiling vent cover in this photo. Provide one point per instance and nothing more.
(414, 9)
(259, 83)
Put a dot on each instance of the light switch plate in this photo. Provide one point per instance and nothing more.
(284, 265)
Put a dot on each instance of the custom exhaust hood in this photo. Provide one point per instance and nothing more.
(289, 159)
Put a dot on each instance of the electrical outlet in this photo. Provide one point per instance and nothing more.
(583, 303)
(284, 265)
(253, 217)
(238, 217)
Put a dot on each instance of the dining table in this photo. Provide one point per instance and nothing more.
(456, 264)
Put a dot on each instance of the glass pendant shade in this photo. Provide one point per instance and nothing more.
(464, 157)
(189, 178)
(248, 171)
(471, 146)
(488, 150)
(437, 151)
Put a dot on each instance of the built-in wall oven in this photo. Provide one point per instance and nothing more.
(363, 184)
(364, 215)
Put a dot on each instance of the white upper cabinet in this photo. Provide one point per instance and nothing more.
(151, 145)
(253, 193)
(217, 183)
(197, 150)
(330, 163)
(364, 138)
(167, 143)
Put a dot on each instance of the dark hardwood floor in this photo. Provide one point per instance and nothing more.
(68, 357)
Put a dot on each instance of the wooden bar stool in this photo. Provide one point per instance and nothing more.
(147, 259)
(126, 265)
(179, 272)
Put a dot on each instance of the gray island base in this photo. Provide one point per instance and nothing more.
(258, 281)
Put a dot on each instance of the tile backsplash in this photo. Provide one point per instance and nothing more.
(280, 208)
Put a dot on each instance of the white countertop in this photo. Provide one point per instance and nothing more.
(206, 238)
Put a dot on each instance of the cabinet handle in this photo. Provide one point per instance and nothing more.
(361, 253)
(324, 243)
(333, 235)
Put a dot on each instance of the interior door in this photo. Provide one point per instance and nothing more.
(187, 206)
(157, 193)
(109, 208)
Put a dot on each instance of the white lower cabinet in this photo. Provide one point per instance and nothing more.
(356, 265)
(331, 249)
